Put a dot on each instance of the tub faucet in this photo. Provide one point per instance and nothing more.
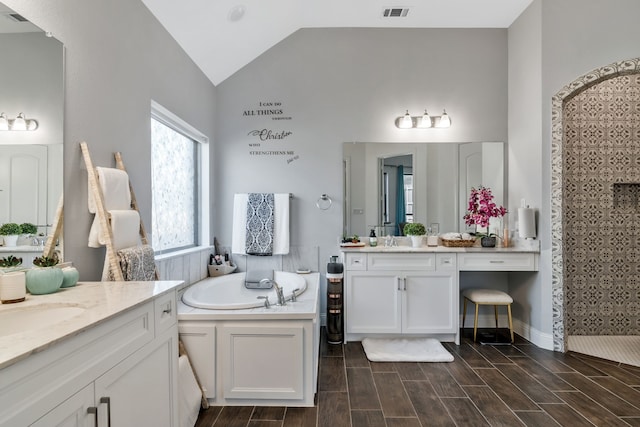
(279, 291)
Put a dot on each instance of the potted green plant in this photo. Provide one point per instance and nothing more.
(480, 210)
(416, 231)
(10, 263)
(28, 228)
(44, 278)
(10, 232)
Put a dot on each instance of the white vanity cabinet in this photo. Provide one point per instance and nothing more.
(121, 372)
(401, 293)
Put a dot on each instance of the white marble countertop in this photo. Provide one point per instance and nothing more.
(21, 249)
(306, 307)
(528, 246)
(100, 301)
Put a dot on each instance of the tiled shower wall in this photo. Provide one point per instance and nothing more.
(601, 208)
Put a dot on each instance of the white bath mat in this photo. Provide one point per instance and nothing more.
(405, 350)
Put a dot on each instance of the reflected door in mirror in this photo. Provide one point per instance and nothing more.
(23, 184)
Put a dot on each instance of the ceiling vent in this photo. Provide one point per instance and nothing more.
(16, 17)
(395, 12)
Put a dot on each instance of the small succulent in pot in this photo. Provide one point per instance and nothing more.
(43, 261)
(28, 228)
(10, 262)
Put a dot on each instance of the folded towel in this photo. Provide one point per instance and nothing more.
(137, 263)
(125, 228)
(280, 224)
(260, 210)
(114, 184)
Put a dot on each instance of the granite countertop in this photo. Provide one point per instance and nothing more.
(305, 307)
(95, 303)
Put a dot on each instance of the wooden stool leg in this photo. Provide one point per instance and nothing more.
(510, 321)
(464, 311)
(495, 312)
(475, 323)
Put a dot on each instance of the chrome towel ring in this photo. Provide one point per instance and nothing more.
(324, 202)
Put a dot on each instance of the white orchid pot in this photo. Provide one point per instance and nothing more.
(12, 287)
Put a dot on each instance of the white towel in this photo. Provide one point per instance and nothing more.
(189, 394)
(114, 184)
(280, 224)
(125, 228)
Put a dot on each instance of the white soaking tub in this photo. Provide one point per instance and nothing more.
(229, 293)
(253, 356)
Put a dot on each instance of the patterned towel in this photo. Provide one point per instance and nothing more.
(137, 263)
(260, 208)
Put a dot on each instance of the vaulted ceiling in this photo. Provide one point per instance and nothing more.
(222, 36)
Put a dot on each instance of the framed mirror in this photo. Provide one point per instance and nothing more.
(429, 181)
(31, 161)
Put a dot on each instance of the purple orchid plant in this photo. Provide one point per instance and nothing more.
(482, 208)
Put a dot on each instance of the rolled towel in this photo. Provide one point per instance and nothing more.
(255, 276)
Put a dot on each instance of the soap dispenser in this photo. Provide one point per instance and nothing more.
(373, 240)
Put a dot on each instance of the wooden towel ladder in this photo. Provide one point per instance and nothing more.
(112, 265)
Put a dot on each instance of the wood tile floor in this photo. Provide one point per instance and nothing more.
(518, 385)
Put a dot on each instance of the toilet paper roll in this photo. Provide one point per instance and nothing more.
(526, 223)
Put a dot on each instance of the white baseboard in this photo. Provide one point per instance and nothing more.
(532, 335)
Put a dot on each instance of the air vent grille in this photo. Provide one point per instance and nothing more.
(17, 17)
(395, 12)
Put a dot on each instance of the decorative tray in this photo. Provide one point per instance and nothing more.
(458, 243)
(352, 245)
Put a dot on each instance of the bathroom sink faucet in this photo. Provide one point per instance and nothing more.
(279, 291)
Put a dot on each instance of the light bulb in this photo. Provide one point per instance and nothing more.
(445, 121)
(407, 121)
(19, 123)
(4, 123)
(425, 122)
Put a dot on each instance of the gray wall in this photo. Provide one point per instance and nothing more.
(340, 85)
(118, 58)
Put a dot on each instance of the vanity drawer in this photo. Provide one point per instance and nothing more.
(498, 261)
(355, 261)
(401, 261)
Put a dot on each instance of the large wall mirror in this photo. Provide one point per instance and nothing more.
(389, 183)
(31, 162)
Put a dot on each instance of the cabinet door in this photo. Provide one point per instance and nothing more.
(142, 388)
(72, 412)
(429, 302)
(372, 302)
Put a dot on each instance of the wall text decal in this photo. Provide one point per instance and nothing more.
(261, 144)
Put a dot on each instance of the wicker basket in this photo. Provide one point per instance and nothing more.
(458, 243)
(220, 270)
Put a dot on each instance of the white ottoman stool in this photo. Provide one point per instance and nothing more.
(487, 297)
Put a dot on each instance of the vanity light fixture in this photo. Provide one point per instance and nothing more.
(18, 124)
(423, 122)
